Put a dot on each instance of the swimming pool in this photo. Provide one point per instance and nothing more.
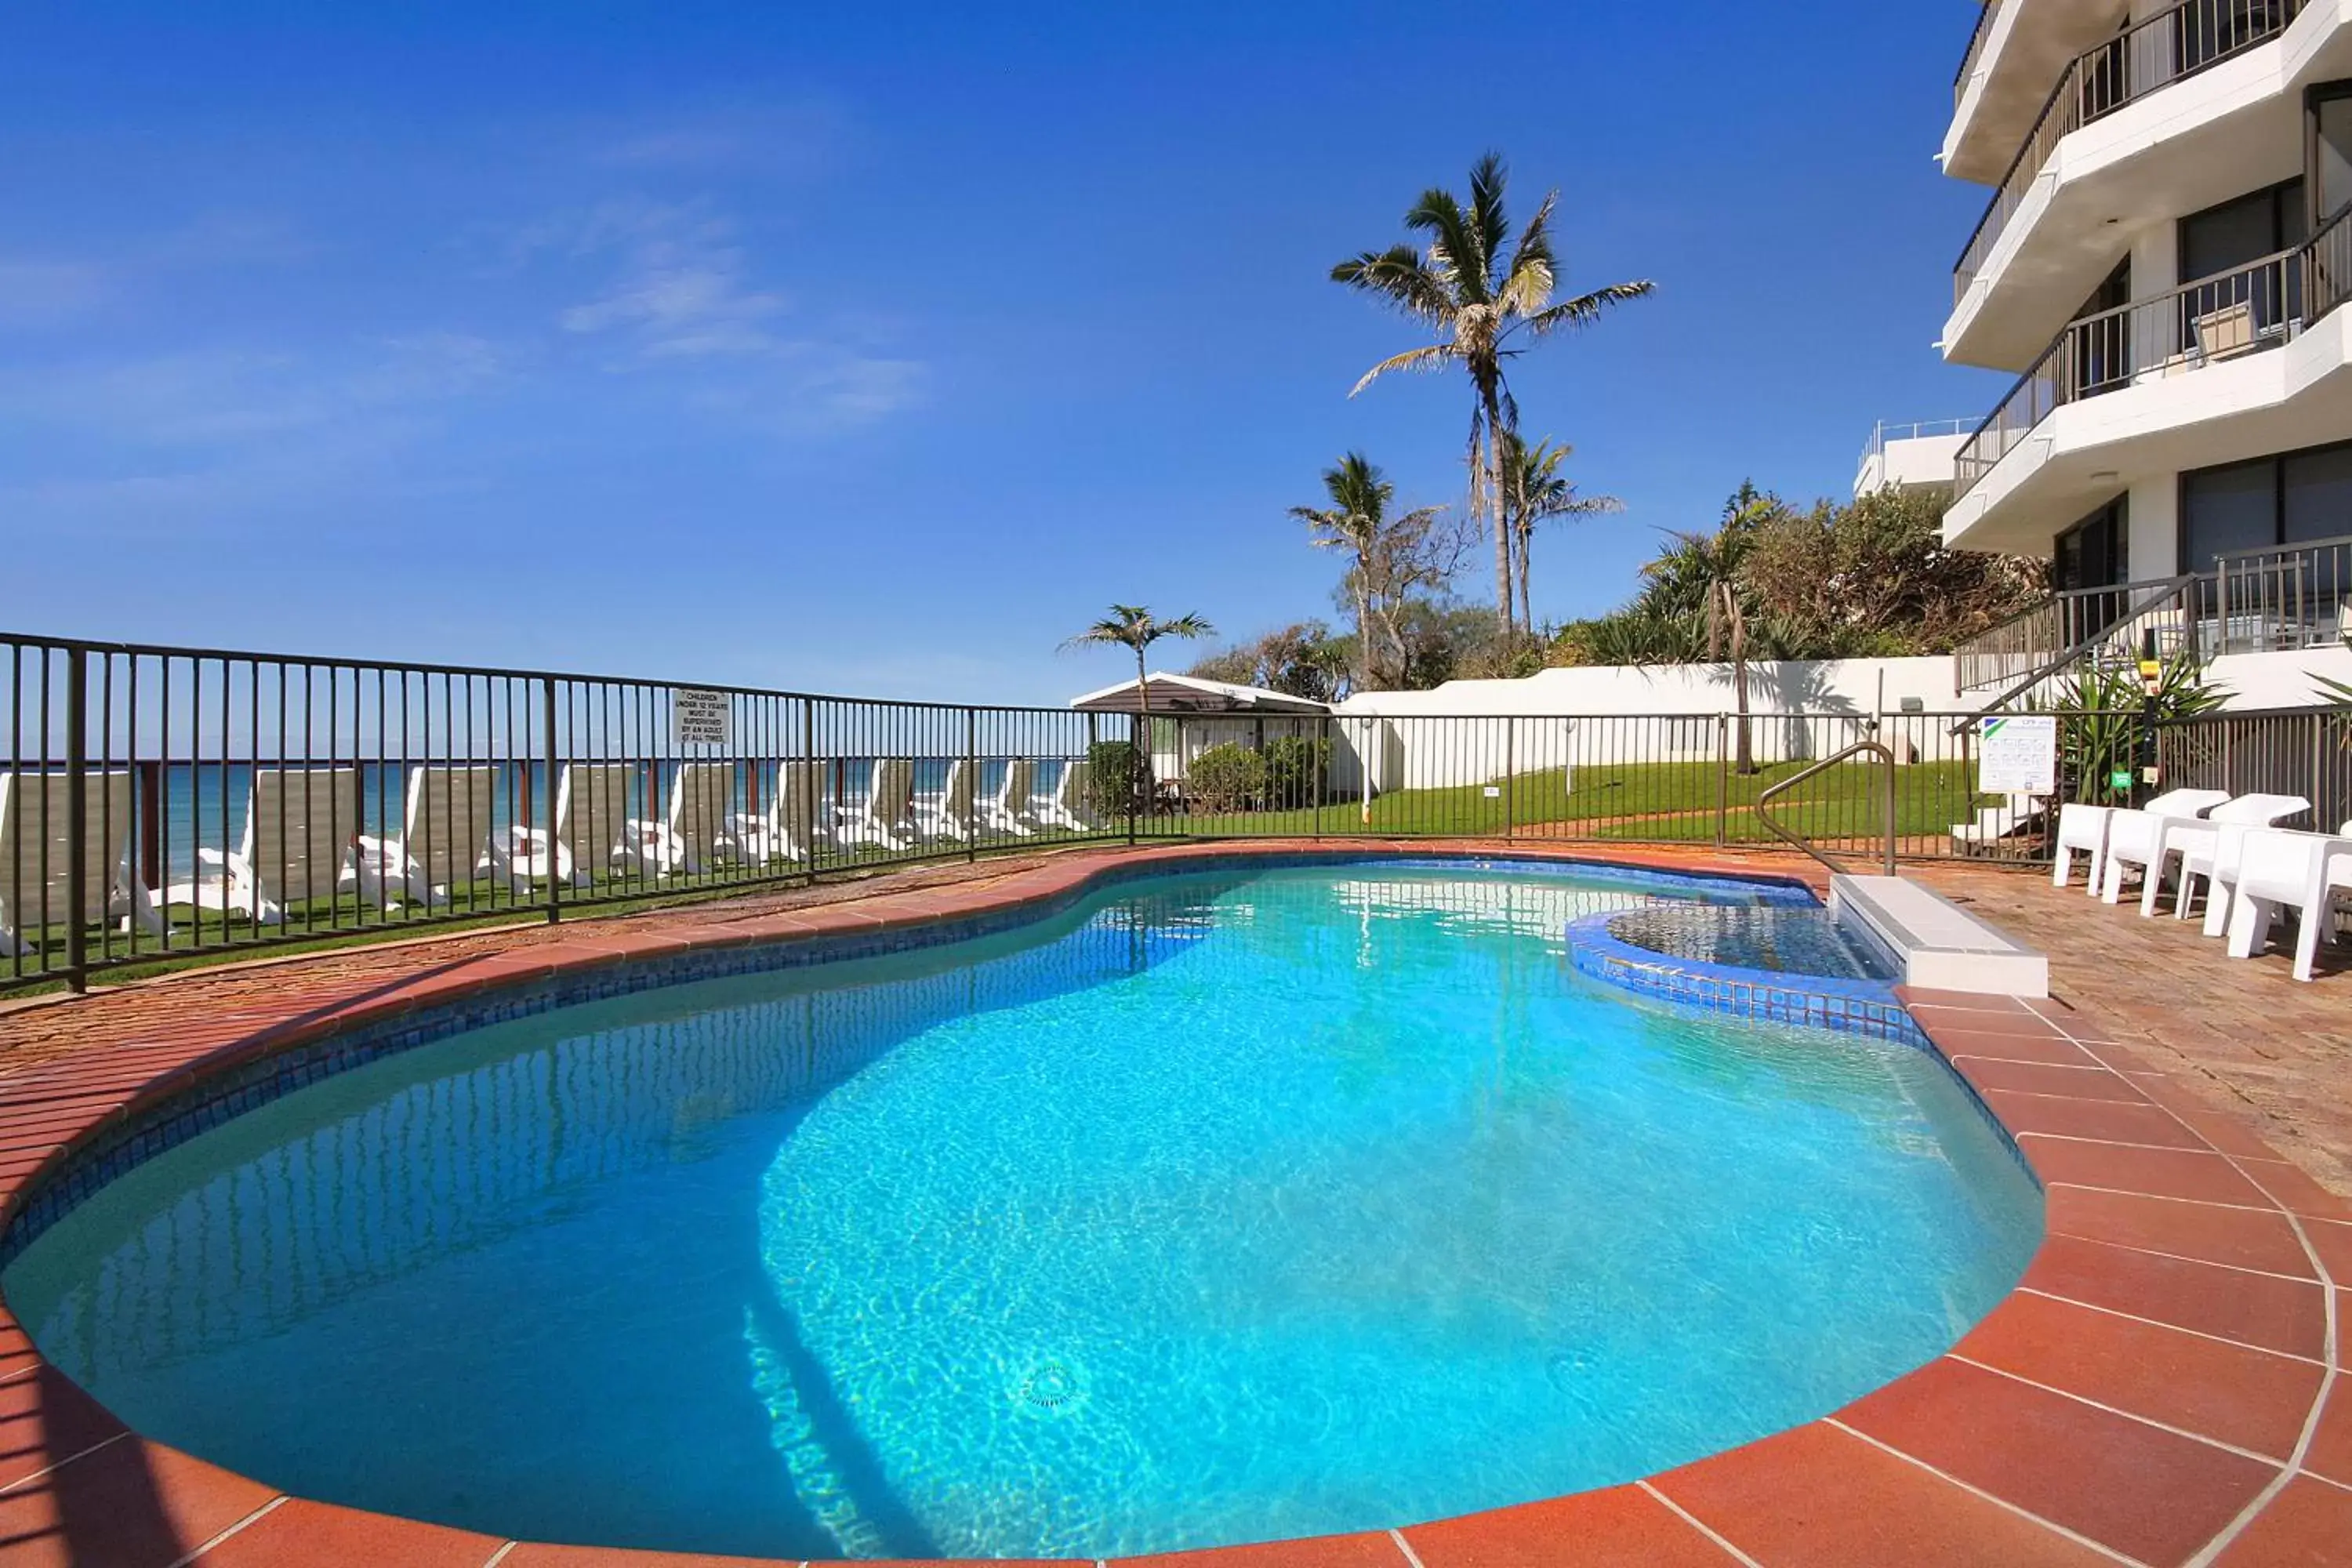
(1221, 1206)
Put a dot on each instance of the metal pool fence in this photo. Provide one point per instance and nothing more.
(162, 803)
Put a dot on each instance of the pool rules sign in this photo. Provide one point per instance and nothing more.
(2018, 755)
(699, 717)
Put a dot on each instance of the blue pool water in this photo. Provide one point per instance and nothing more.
(1803, 939)
(1220, 1207)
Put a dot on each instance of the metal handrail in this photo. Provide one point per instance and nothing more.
(1984, 18)
(1765, 798)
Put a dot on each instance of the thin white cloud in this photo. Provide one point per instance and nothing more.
(48, 294)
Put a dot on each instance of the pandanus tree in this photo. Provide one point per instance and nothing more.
(1488, 294)
(1384, 549)
(1534, 492)
(1133, 626)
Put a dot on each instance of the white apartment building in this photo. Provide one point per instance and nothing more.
(2163, 261)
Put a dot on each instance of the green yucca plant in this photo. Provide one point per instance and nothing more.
(2103, 715)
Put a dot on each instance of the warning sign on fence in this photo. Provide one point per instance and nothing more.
(2018, 755)
(699, 717)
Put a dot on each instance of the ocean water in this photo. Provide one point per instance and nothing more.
(204, 803)
(1223, 1208)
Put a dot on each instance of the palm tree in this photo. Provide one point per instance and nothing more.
(1483, 293)
(1357, 521)
(1534, 491)
(1710, 566)
(1133, 626)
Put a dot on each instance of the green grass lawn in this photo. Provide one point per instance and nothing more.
(1674, 802)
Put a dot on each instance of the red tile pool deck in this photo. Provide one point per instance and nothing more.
(2166, 1387)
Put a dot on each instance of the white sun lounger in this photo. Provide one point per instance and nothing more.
(788, 830)
(949, 814)
(1995, 823)
(37, 855)
(445, 831)
(2281, 872)
(2132, 835)
(1067, 806)
(885, 816)
(296, 847)
(685, 838)
(2190, 837)
(592, 801)
(1004, 811)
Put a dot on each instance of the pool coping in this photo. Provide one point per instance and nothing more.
(2162, 1387)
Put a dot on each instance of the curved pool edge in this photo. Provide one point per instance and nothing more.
(1988, 1444)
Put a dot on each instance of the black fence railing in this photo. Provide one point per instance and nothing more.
(160, 802)
(2148, 57)
(1987, 14)
(2304, 752)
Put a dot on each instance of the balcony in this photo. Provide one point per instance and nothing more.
(2188, 109)
(2018, 49)
(2278, 598)
(2200, 330)
(1910, 456)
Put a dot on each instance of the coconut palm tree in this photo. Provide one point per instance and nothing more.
(1357, 521)
(1133, 626)
(1489, 296)
(1534, 490)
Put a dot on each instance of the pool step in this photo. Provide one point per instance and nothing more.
(1932, 941)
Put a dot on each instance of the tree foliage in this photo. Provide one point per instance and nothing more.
(1392, 557)
(1488, 292)
(1303, 660)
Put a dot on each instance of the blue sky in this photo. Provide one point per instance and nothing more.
(873, 349)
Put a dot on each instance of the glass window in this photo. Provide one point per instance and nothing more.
(2240, 232)
(2319, 495)
(2234, 508)
(2331, 135)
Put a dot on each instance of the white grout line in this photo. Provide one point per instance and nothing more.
(256, 1517)
(2229, 1533)
(2273, 1460)
(2199, 1148)
(2000, 1502)
(1406, 1547)
(2164, 1197)
(62, 1464)
(503, 1553)
(2160, 1323)
(1696, 1523)
(2184, 1258)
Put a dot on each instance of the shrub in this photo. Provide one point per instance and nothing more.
(1295, 766)
(1228, 778)
(1111, 781)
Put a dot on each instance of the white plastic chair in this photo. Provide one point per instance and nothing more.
(445, 830)
(2183, 836)
(884, 816)
(2132, 835)
(1067, 806)
(36, 856)
(1005, 811)
(2281, 872)
(591, 805)
(296, 846)
(2083, 827)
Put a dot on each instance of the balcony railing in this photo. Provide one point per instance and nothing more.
(2230, 314)
(2149, 57)
(1883, 434)
(1986, 15)
(2264, 600)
